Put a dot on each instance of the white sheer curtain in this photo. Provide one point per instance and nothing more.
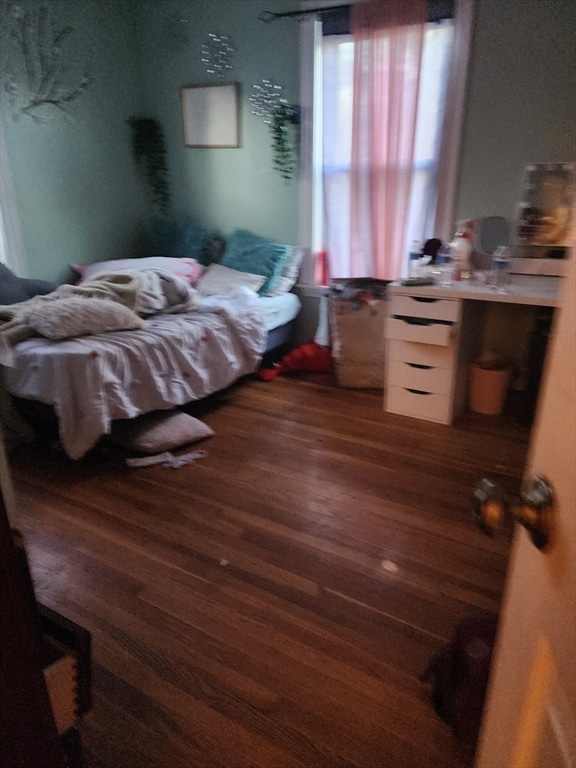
(11, 252)
(338, 71)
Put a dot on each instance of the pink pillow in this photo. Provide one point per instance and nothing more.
(186, 269)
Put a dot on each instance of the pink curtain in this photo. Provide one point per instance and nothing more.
(388, 45)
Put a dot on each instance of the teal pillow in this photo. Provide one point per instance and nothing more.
(247, 252)
(180, 238)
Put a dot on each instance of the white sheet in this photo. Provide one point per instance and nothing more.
(278, 310)
(175, 359)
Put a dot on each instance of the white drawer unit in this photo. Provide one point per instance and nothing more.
(421, 343)
(429, 309)
(421, 354)
(418, 404)
(411, 329)
(423, 378)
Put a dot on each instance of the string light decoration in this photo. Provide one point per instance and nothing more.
(217, 54)
(266, 99)
(267, 102)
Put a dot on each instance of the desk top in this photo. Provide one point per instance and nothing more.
(536, 290)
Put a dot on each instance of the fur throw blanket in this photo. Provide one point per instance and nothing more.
(76, 310)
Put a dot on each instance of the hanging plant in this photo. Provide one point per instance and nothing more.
(285, 139)
(150, 151)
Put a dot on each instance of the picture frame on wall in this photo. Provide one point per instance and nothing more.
(210, 115)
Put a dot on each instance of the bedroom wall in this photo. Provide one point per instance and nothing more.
(520, 105)
(222, 188)
(76, 185)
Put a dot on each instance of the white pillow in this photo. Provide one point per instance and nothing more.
(160, 431)
(218, 279)
(188, 270)
(68, 317)
(289, 275)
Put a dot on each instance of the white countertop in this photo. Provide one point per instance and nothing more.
(537, 290)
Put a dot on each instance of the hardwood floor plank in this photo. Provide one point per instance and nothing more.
(274, 604)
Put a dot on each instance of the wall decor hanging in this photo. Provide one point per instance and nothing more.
(42, 75)
(210, 115)
(285, 140)
(267, 101)
(150, 152)
(217, 53)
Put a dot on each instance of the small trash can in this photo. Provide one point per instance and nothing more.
(488, 386)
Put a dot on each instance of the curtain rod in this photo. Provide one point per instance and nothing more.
(269, 16)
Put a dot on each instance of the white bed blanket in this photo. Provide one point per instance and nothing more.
(175, 359)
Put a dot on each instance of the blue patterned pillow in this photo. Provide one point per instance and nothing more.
(180, 238)
(249, 253)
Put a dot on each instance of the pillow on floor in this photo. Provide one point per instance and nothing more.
(158, 432)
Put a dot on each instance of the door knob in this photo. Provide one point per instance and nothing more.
(533, 507)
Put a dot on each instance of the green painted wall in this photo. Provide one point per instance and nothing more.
(76, 185)
(520, 105)
(223, 188)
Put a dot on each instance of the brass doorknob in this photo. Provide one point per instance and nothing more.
(533, 507)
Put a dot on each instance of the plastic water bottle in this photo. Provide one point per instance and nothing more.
(445, 268)
(500, 272)
(415, 256)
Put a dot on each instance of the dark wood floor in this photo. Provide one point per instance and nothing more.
(274, 604)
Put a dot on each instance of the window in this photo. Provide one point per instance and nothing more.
(10, 240)
(435, 193)
(337, 65)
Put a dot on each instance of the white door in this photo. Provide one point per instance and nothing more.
(530, 714)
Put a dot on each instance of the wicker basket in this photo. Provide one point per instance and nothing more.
(357, 330)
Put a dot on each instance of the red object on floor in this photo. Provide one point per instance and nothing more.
(310, 357)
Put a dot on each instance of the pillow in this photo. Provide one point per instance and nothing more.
(158, 432)
(249, 253)
(219, 279)
(14, 289)
(62, 319)
(289, 275)
(187, 269)
(180, 238)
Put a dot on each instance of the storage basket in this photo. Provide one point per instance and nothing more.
(357, 329)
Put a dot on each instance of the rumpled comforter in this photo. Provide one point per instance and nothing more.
(147, 292)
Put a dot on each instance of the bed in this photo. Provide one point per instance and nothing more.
(171, 358)
(92, 380)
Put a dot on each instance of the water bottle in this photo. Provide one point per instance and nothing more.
(500, 272)
(445, 267)
(415, 256)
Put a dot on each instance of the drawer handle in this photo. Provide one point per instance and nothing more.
(417, 391)
(424, 299)
(421, 320)
(420, 367)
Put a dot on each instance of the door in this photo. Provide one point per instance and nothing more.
(530, 714)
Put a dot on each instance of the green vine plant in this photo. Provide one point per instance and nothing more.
(285, 140)
(150, 152)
